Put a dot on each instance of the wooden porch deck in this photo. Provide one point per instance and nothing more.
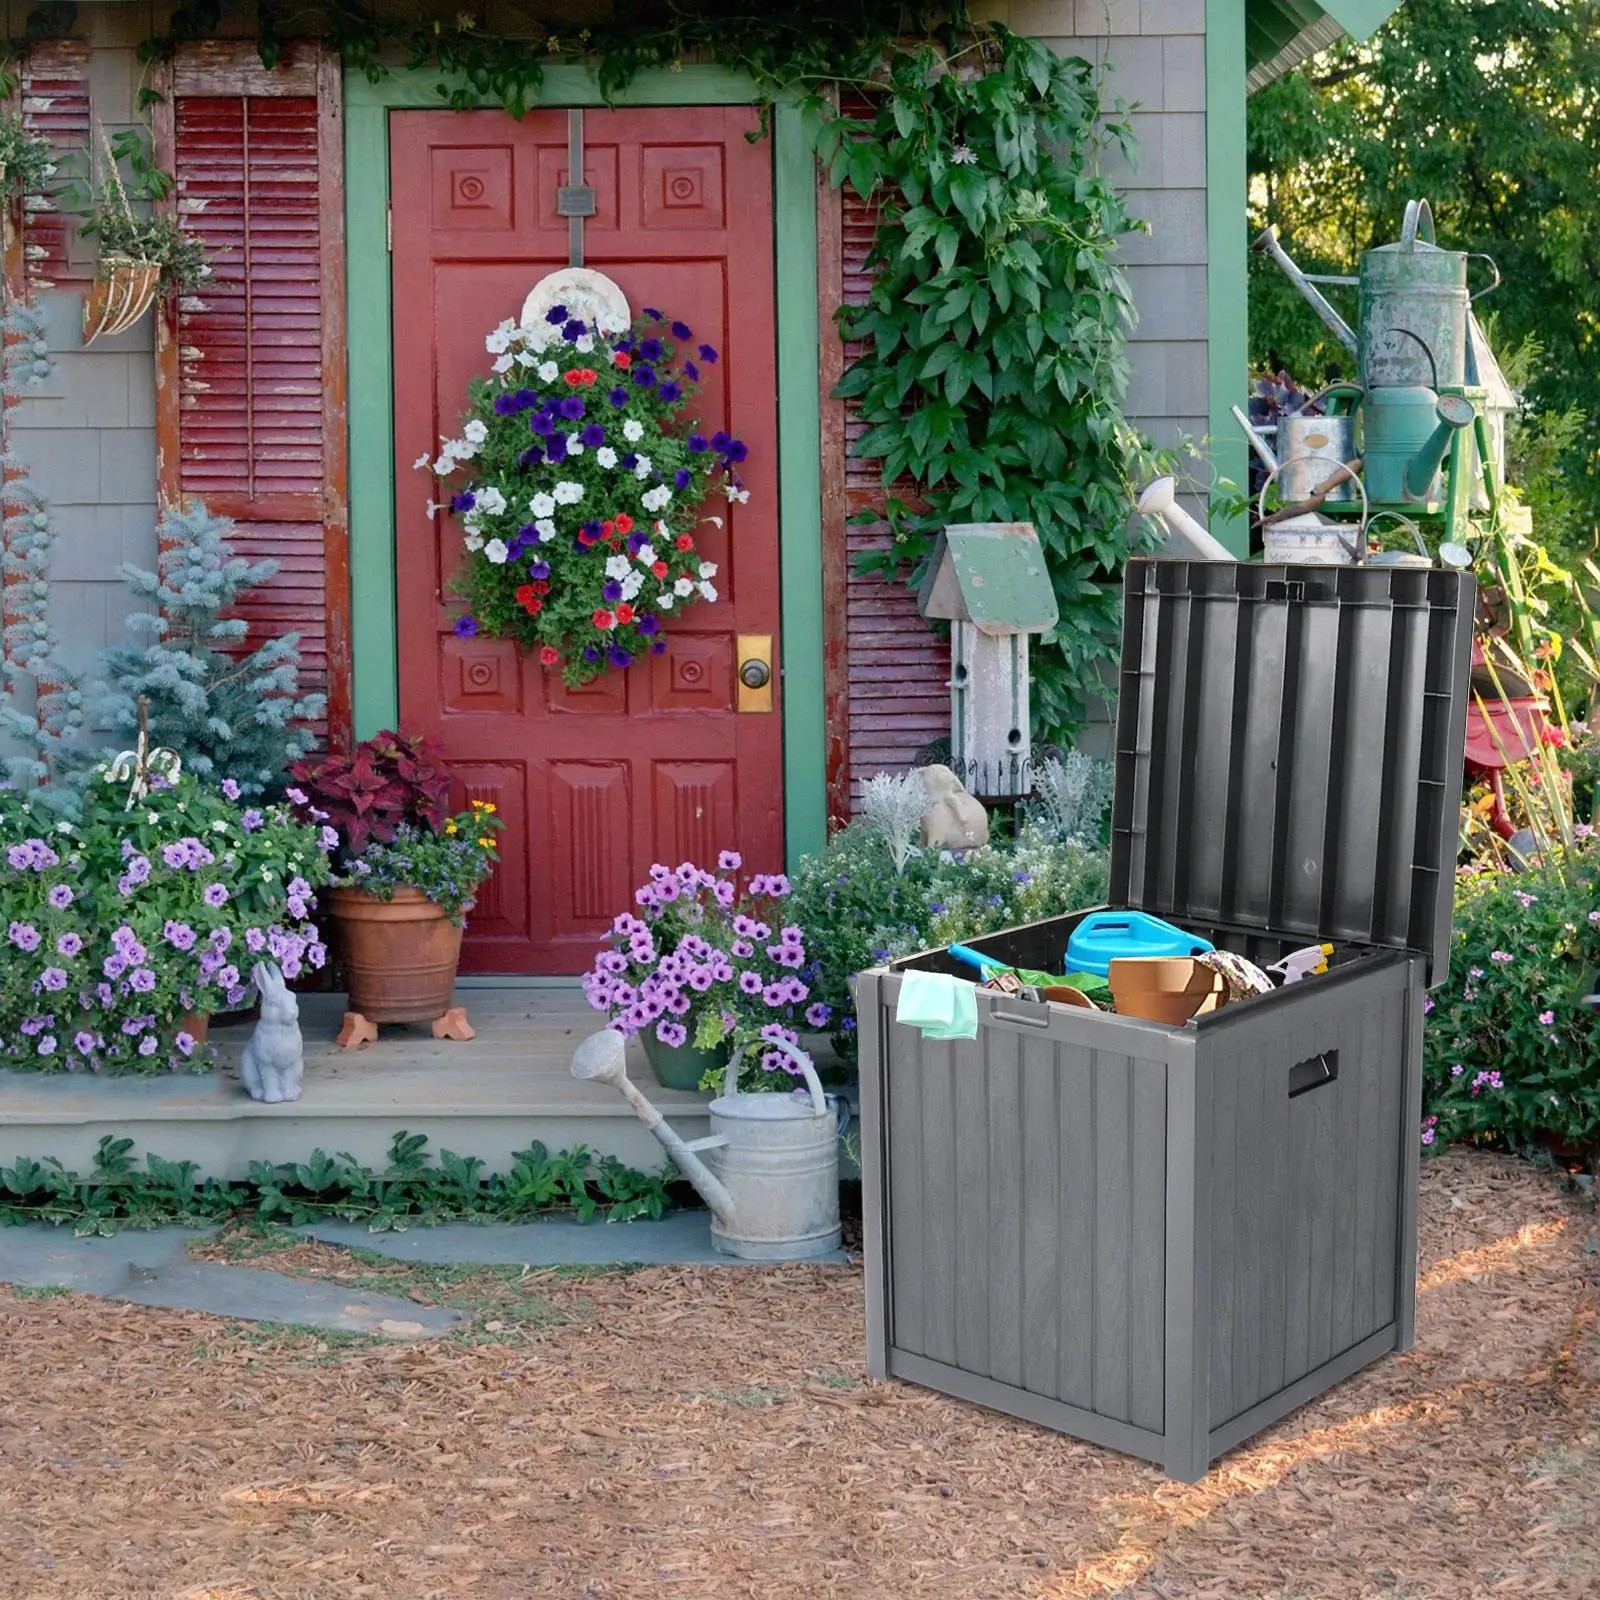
(486, 1097)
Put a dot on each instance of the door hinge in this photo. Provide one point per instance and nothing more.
(388, 227)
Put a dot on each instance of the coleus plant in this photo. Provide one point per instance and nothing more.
(386, 781)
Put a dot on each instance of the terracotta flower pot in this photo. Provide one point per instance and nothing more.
(400, 955)
(195, 1024)
(1167, 989)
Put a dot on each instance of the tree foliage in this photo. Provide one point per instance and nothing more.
(1490, 109)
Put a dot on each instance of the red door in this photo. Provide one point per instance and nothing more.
(654, 763)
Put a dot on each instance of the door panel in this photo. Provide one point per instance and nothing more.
(654, 763)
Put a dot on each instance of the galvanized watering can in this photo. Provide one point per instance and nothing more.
(771, 1177)
(1411, 324)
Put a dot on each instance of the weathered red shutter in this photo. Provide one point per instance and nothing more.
(894, 670)
(251, 368)
(54, 91)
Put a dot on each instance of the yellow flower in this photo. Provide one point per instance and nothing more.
(485, 843)
(450, 827)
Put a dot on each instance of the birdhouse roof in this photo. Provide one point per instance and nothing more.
(992, 574)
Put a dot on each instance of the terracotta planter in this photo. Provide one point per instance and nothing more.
(1167, 989)
(400, 955)
(195, 1025)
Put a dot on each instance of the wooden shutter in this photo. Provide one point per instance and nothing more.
(54, 84)
(251, 378)
(889, 673)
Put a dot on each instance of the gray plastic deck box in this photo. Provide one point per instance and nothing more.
(1157, 1238)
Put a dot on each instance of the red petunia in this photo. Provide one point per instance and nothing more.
(685, 542)
(589, 375)
(585, 538)
(602, 618)
(533, 605)
(549, 656)
(659, 569)
(622, 359)
(610, 528)
(524, 594)
(624, 613)
(624, 522)
(540, 586)
(575, 377)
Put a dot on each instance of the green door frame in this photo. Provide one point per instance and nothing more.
(374, 642)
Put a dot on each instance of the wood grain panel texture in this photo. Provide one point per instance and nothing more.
(252, 366)
(897, 696)
(54, 81)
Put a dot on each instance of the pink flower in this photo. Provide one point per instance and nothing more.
(730, 861)
(1500, 956)
(1547, 1019)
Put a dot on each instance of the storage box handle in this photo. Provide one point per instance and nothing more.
(1312, 1073)
(1023, 1019)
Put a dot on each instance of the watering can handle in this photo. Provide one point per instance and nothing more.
(1488, 288)
(819, 1103)
(1361, 488)
(1419, 220)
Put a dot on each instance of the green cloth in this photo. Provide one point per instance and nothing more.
(941, 1006)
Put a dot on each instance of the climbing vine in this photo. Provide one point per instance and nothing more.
(991, 366)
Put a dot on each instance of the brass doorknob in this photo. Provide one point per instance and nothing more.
(755, 673)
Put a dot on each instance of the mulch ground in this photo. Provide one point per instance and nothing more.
(712, 1433)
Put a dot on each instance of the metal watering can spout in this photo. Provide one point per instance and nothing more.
(1455, 412)
(1160, 500)
(1268, 241)
(601, 1059)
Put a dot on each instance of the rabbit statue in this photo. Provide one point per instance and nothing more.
(274, 1059)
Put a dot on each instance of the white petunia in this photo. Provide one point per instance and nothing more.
(654, 499)
(476, 431)
(434, 510)
(647, 554)
(643, 467)
(495, 551)
(583, 344)
(524, 359)
(568, 493)
(504, 363)
(549, 372)
(633, 430)
(422, 460)
(664, 600)
(683, 586)
(462, 449)
(473, 541)
(741, 495)
(491, 501)
(707, 592)
(545, 529)
(541, 505)
(708, 569)
(610, 322)
(574, 447)
(445, 465)
(617, 567)
(632, 584)
(499, 341)
(605, 455)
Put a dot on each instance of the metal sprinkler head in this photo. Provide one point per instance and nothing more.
(600, 1058)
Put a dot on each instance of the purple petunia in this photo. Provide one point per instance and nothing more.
(556, 315)
(571, 408)
(592, 435)
(147, 1045)
(682, 478)
(230, 789)
(681, 331)
(69, 944)
(750, 982)
(817, 1014)
(644, 376)
(691, 372)
(141, 980)
(573, 330)
(84, 1043)
(179, 935)
(538, 570)
(61, 897)
(618, 397)
(53, 978)
(670, 392)
(215, 895)
(697, 443)
(619, 658)
(672, 1034)
(24, 936)
(185, 1043)
(612, 590)
(707, 353)
(466, 626)
(557, 448)
(651, 350)
(251, 820)
(464, 501)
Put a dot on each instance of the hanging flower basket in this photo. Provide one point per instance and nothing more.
(121, 293)
(583, 481)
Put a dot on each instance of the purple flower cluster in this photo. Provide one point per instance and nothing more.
(701, 962)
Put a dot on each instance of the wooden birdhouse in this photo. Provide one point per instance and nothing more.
(989, 581)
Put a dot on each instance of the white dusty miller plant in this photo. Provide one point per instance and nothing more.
(1071, 795)
(893, 804)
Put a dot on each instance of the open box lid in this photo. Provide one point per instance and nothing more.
(1289, 750)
